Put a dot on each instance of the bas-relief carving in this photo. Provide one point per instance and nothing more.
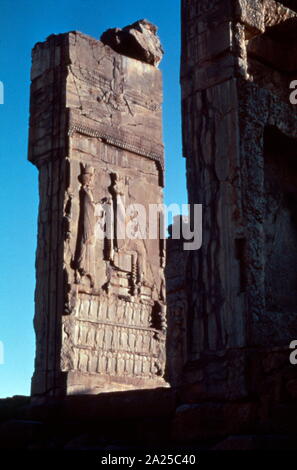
(110, 214)
(112, 91)
(85, 256)
(115, 98)
(110, 310)
(121, 139)
(132, 246)
(113, 107)
(98, 335)
(126, 260)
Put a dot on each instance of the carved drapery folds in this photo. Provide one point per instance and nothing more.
(85, 257)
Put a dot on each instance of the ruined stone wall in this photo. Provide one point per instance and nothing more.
(96, 138)
(177, 307)
(238, 58)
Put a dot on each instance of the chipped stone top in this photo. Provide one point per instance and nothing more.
(138, 41)
(276, 13)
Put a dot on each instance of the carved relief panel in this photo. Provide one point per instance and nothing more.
(118, 314)
(100, 317)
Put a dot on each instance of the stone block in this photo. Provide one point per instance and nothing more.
(94, 172)
(252, 14)
(214, 73)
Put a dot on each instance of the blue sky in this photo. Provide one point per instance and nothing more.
(22, 24)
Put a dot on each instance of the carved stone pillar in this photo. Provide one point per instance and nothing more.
(239, 140)
(96, 138)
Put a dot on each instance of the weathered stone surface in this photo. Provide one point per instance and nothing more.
(239, 140)
(96, 137)
(275, 12)
(177, 308)
(138, 40)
